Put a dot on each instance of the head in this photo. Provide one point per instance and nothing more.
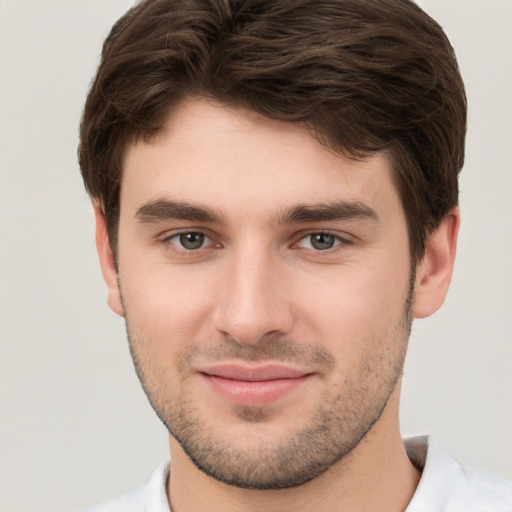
(268, 176)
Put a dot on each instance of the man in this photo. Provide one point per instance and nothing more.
(275, 188)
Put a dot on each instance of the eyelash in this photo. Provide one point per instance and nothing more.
(338, 241)
(168, 241)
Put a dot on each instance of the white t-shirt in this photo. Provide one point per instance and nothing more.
(444, 486)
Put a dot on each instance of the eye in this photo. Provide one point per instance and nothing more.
(190, 241)
(319, 241)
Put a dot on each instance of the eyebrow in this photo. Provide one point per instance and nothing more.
(166, 209)
(339, 210)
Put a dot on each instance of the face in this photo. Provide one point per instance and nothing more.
(266, 287)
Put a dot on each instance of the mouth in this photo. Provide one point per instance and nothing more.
(253, 386)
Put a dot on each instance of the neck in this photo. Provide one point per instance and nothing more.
(376, 475)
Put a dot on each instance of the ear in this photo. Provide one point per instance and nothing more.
(434, 272)
(107, 262)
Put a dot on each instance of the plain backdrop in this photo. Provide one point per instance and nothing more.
(75, 426)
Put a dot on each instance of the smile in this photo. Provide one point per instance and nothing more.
(253, 387)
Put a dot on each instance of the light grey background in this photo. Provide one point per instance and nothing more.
(75, 427)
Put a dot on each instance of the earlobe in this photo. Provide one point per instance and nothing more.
(107, 262)
(434, 272)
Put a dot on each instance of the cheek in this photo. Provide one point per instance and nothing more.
(168, 303)
(353, 308)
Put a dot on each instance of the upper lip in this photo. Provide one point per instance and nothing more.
(253, 374)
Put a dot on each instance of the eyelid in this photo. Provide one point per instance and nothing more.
(167, 239)
(344, 239)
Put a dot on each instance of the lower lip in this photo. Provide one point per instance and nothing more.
(254, 393)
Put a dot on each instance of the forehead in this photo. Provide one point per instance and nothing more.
(236, 160)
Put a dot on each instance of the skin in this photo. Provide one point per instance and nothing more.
(256, 291)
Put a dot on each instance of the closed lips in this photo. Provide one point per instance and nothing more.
(248, 374)
(256, 386)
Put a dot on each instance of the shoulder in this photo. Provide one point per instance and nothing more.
(485, 492)
(151, 497)
(445, 486)
(132, 501)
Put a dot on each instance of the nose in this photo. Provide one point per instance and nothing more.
(252, 301)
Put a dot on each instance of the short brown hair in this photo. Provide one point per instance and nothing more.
(365, 75)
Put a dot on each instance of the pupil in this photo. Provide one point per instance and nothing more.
(192, 240)
(321, 241)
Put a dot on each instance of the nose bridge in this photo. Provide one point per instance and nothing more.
(252, 300)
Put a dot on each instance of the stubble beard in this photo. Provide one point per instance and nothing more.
(344, 416)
